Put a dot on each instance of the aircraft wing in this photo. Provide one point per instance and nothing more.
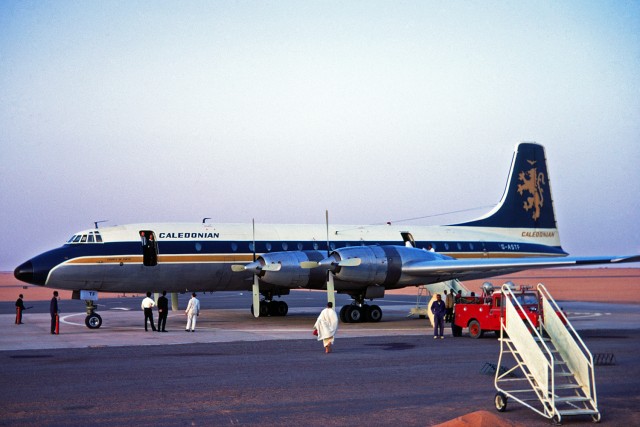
(470, 269)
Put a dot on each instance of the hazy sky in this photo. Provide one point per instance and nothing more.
(139, 111)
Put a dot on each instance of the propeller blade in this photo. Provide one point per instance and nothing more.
(238, 267)
(350, 262)
(309, 264)
(326, 220)
(276, 266)
(331, 296)
(256, 296)
(331, 263)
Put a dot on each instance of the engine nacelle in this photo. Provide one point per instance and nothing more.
(291, 275)
(381, 265)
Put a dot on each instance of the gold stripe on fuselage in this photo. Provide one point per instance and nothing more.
(169, 259)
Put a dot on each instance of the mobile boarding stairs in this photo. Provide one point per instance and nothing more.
(553, 372)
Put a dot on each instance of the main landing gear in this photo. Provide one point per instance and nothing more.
(269, 307)
(358, 311)
(93, 319)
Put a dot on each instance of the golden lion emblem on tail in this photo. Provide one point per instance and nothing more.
(532, 182)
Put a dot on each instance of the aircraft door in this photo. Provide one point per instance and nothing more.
(408, 239)
(149, 248)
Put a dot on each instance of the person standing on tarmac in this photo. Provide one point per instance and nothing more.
(438, 309)
(19, 309)
(147, 305)
(327, 326)
(163, 310)
(448, 302)
(192, 312)
(53, 310)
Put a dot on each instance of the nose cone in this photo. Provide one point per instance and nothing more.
(24, 273)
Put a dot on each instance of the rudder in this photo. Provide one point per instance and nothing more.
(527, 201)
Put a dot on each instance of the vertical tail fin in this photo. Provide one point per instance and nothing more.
(526, 202)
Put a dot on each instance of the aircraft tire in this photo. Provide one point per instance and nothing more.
(264, 308)
(343, 314)
(374, 314)
(93, 321)
(278, 308)
(354, 314)
(284, 308)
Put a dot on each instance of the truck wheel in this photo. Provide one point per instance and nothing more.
(474, 329)
(500, 401)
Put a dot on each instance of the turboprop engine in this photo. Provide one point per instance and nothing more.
(283, 268)
(379, 265)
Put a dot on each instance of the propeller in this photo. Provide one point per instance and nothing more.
(256, 280)
(331, 296)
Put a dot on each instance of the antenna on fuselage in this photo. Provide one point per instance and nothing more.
(95, 223)
(205, 220)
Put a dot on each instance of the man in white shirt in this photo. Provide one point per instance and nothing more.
(192, 312)
(147, 306)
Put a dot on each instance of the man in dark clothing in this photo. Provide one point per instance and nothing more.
(439, 309)
(53, 310)
(163, 310)
(19, 310)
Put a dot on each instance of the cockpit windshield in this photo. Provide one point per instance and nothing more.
(88, 237)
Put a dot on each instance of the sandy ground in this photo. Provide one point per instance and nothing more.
(621, 285)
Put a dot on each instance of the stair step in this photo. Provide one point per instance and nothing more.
(572, 399)
(566, 386)
(570, 412)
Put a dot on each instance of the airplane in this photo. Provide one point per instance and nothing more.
(269, 260)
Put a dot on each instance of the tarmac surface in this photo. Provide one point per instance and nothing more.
(237, 370)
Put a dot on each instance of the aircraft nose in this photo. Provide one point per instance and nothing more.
(24, 272)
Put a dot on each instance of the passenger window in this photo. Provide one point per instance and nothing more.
(285, 246)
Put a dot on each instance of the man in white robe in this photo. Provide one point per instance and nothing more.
(192, 312)
(327, 326)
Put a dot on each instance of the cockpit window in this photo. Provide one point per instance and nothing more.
(91, 237)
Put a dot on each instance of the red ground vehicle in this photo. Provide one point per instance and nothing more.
(482, 314)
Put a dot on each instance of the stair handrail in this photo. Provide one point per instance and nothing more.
(583, 347)
(507, 291)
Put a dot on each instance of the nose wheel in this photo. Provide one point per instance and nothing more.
(93, 319)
